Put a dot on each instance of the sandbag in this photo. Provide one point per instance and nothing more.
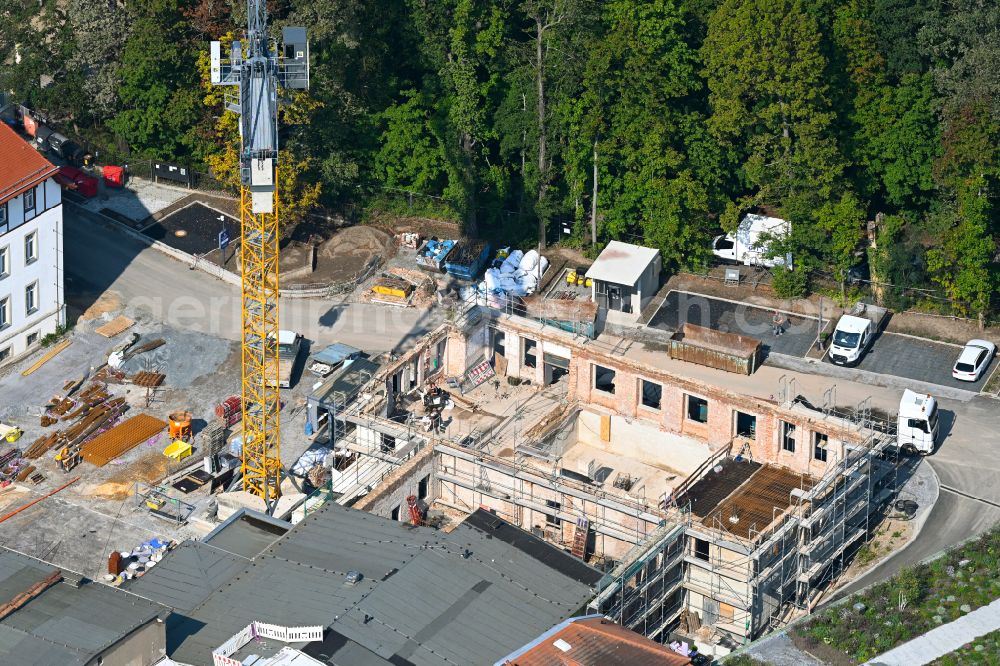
(506, 283)
(543, 265)
(529, 261)
(491, 279)
(511, 263)
(529, 282)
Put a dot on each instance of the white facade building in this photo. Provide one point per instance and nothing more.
(31, 254)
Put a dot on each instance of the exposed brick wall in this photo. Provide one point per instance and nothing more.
(672, 415)
(401, 483)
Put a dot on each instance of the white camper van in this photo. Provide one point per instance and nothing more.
(917, 428)
(746, 245)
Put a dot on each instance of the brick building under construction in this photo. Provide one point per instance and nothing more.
(715, 513)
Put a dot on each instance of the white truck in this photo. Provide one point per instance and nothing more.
(747, 246)
(917, 427)
(855, 333)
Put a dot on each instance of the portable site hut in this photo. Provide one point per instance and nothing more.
(625, 278)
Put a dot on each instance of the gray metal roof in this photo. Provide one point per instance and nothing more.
(426, 597)
(63, 624)
(347, 381)
(186, 578)
(247, 533)
(335, 353)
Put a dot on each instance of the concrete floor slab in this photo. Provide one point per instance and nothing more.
(649, 482)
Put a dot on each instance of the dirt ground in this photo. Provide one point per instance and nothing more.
(151, 467)
(891, 536)
(109, 301)
(341, 257)
(944, 329)
(747, 292)
(424, 226)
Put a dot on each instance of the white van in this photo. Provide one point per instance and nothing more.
(851, 338)
(917, 428)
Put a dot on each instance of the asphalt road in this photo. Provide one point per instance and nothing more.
(921, 360)
(681, 307)
(98, 257)
(968, 466)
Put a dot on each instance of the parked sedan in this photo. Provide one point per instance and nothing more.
(973, 360)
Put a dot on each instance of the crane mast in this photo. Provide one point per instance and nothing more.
(257, 72)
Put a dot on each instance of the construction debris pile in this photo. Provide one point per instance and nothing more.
(403, 287)
(125, 565)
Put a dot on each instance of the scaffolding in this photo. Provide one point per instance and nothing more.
(470, 478)
(644, 591)
(785, 566)
(753, 578)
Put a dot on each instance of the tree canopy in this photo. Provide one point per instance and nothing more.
(659, 122)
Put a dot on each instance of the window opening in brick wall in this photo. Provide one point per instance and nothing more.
(697, 409)
(652, 394)
(788, 437)
(820, 440)
(604, 379)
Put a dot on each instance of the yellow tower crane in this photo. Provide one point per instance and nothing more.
(257, 72)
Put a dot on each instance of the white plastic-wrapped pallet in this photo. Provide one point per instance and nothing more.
(529, 282)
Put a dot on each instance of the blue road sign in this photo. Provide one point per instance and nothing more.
(223, 239)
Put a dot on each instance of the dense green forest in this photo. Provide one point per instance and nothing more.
(652, 121)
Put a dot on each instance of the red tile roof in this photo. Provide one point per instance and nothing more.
(21, 166)
(598, 642)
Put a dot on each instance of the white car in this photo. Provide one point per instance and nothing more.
(975, 358)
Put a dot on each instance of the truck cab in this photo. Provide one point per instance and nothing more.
(917, 428)
(851, 338)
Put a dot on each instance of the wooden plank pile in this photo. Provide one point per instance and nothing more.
(121, 439)
(48, 357)
(118, 325)
(148, 379)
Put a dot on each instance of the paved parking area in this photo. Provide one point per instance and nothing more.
(681, 307)
(193, 229)
(918, 359)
